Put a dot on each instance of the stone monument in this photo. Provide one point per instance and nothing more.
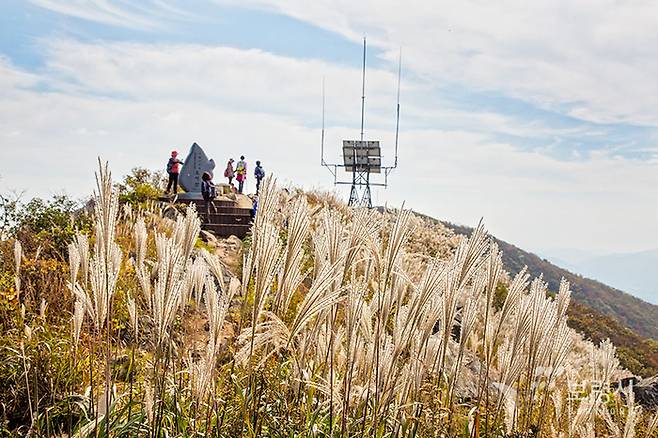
(194, 166)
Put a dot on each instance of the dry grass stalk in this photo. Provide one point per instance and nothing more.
(18, 257)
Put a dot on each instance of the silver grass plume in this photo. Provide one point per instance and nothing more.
(106, 210)
(266, 253)
(104, 273)
(494, 270)
(187, 230)
(400, 233)
(268, 203)
(511, 354)
(196, 279)
(78, 306)
(329, 240)
(216, 267)
(262, 258)
(581, 423)
(74, 264)
(543, 317)
(42, 309)
(81, 241)
(201, 372)
(169, 287)
(468, 319)
(320, 297)
(469, 258)
(267, 338)
(18, 256)
(290, 275)
(133, 314)
(78, 319)
(141, 238)
(217, 305)
(106, 261)
(633, 412)
(364, 231)
(606, 360)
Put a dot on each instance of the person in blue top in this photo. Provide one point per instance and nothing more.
(254, 207)
(259, 173)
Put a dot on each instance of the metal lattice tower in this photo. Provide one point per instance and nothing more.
(362, 158)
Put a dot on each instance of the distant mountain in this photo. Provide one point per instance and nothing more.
(632, 272)
(632, 312)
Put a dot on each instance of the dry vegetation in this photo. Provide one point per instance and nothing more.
(335, 322)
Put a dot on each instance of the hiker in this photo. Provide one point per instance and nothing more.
(173, 169)
(259, 173)
(209, 192)
(254, 207)
(229, 172)
(241, 171)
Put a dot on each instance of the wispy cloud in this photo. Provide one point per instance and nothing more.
(120, 13)
(590, 60)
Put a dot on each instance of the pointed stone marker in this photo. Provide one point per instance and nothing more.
(195, 164)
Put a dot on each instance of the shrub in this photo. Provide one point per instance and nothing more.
(141, 186)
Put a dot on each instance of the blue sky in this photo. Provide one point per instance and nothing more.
(538, 118)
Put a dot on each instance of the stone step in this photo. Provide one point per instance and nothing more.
(225, 230)
(201, 203)
(224, 218)
(225, 210)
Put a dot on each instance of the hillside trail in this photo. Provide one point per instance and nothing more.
(195, 326)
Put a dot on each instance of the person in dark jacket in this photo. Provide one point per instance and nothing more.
(173, 169)
(209, 192)
(259, 174)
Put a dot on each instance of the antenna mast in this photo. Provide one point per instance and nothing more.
(397, 111)
(363, 157)
(363, 88)
(322, 140)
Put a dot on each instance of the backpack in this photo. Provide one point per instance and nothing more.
(170, 165)
(208, 190)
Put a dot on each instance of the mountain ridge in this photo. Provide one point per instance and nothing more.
(632, 272)
(631, 311)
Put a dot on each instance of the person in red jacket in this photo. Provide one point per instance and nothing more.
(173, 169)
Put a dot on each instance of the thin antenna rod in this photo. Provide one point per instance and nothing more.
(322, 141)
(363, 88)
(397, 115)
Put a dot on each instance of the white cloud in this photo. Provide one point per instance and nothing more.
(258, 81)
(593, 60)
(132, 103)
(12, 78)
(245, 80)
